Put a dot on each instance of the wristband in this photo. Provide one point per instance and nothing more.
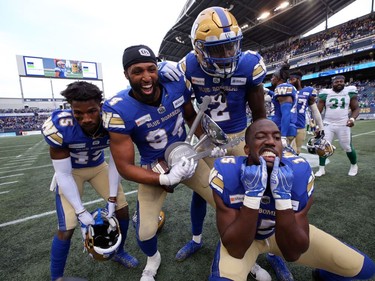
(283, 204)
(352, 119)
(112, 199)
(252, 202)
(81, 212)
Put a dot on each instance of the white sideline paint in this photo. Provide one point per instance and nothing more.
(53, 212)
(2, 192)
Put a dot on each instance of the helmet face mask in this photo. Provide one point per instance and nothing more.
(216, 39)
(104, 237)
(321, 147)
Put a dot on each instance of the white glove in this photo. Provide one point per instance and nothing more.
(111, 206)
(169, 71)
(218, 152)
(85, 218)
(284, 141)
(184, 169)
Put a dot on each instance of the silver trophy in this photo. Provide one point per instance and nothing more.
(213, 134)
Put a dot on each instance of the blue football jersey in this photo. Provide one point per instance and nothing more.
(151, 128)
(61, 130)
(284, 90)
(225, 181)
(229, 109)
(302, 105)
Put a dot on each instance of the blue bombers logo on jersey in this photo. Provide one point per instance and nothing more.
(216, 80)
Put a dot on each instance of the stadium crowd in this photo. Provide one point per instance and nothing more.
(334, 40)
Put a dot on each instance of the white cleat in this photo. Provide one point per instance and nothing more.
(259, 273)
(353, 170)
(320, 172)
(151, 268)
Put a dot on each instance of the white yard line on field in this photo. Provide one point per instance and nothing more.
(9, 182)
(53, 212)
(15, 175)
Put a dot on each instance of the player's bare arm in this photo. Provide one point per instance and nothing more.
(237, 228)
(292, 232)
(255, 100)
(122, 149)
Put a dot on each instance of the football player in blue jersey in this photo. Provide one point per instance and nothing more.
(285, 104)
(151, 114)
(77, 141)
(217, 67)
(306, 99)
(262, 201)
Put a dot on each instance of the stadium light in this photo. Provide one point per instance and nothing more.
(263, 16)
(283, 5)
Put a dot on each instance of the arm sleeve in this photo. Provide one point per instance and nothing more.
(316, 115)
(67, 184)
(114, 177)
(285, 117)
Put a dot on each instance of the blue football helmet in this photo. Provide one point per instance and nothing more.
(216, 38)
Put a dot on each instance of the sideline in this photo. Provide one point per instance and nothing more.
(53, 212)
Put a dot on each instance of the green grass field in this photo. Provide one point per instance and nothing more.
(344, 206)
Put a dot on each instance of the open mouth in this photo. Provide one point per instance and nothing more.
(268, 156)
(147, 89)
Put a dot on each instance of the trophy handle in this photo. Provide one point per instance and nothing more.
(202, 108)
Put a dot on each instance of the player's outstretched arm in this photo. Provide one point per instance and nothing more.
(255, 100)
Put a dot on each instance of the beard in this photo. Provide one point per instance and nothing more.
(338, 88)
(144, 98)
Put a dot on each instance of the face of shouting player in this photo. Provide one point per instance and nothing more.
(144, 81)
(263, 138)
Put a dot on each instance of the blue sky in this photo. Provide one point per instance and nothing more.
(89, 30)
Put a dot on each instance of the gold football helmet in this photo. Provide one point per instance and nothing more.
(321, 147)
(104, 237)
(216, 38)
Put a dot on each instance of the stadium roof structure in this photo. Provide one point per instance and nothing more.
(294, 20)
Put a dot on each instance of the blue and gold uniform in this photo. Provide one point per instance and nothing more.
(285, 90)
(325, 252)
(228, 95)
(153, 129)
(61, 130)
(304, 95)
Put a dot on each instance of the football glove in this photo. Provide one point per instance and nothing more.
(184, 169)
(169, 71)
(254, 180)
(85, 218)
(111, 206)
(218, 152)
(281, 185)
